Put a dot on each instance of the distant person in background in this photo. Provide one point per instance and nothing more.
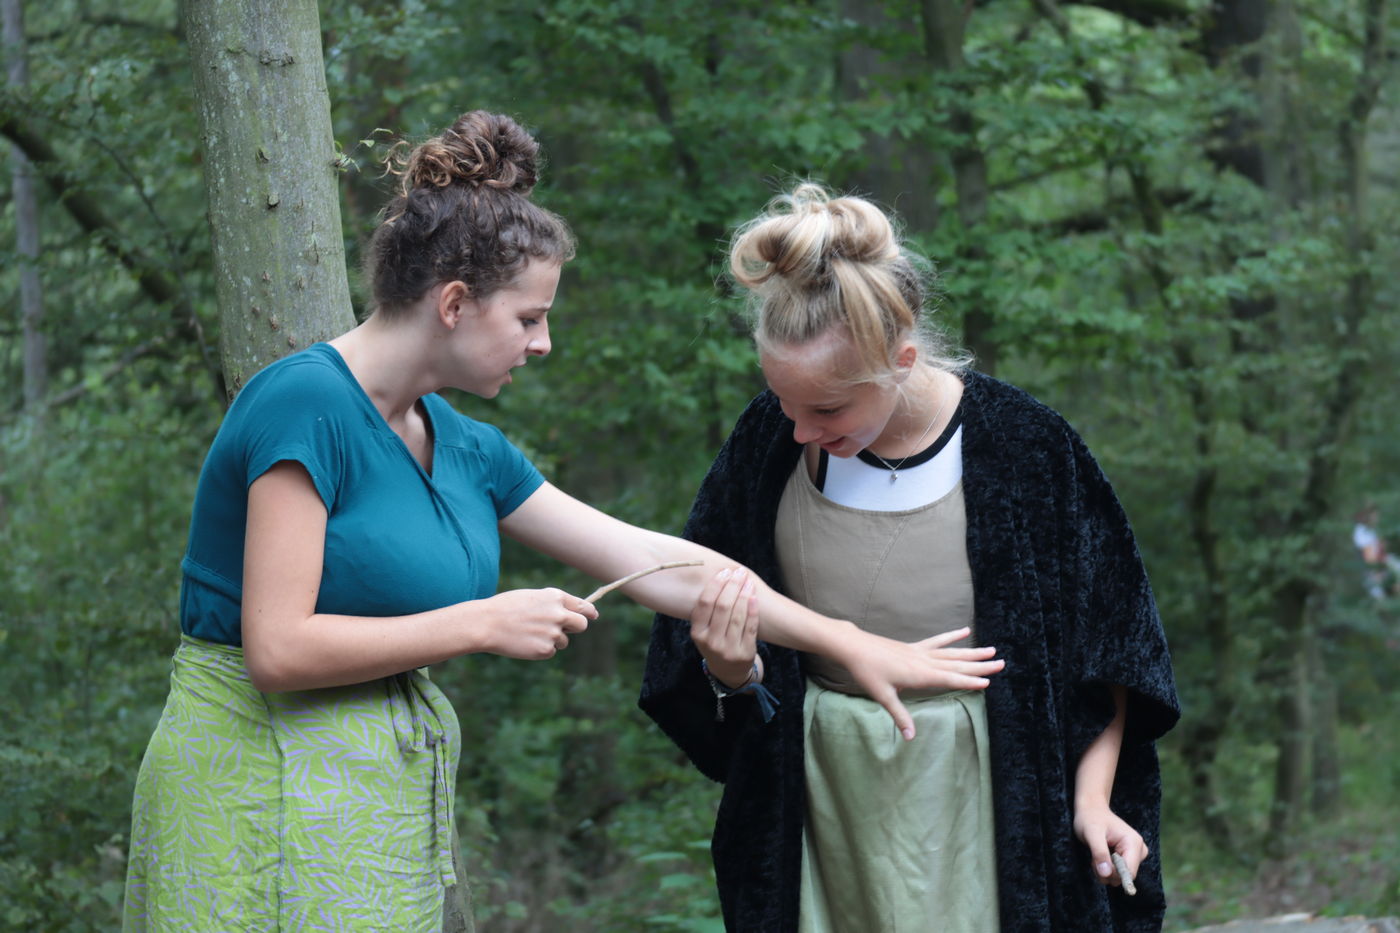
(1382, 568)
(883, 481)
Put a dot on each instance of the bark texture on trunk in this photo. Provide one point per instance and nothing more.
(945, 28)
(1295, 717)
(270, 174)
(901, 172)
(31, 295)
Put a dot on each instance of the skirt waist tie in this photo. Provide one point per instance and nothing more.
(418, 726)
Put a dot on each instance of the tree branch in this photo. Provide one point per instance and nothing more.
(1143, 12)
(122, 362)
(118, 22)
(1102, 220)
(1010, 184)
(88, 213)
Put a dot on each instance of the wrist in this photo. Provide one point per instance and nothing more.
(732, 676)
(1088, 802)
(752, 685)
(476, 620)
(836, 639)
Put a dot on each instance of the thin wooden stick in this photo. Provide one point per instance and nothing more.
(602, 591)
(1123, 875)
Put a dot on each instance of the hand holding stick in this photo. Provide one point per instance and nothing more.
(602, 591)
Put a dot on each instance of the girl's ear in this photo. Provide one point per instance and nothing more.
(452, 301)
(905, 359)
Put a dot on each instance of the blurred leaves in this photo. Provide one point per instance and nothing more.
(1205, 346)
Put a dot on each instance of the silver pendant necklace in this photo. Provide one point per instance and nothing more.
(894, 467)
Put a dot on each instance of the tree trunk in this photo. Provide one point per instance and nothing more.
(31, 297)
(590, 787)
(270, 165)
(902, 174)
(1205, 734)
(1319, 493)
(945, 24)
(1234, 33)
(1295, 726)
(1326, 757)
(1352, 134)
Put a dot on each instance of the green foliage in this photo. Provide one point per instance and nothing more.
(1338, 867)
(111, 95)
(93, 512)
(1192, 323)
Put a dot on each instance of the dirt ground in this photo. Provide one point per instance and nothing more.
(1306, 923)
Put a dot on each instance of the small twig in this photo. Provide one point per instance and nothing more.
(1123, 874)
(602, 591)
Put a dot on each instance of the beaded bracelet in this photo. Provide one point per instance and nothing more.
(767, 703)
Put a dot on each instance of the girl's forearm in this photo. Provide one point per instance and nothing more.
(606, 548)
(781, 621)
(324, 650)
(1093, 784)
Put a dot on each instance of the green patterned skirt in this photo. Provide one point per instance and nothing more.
(305, 811)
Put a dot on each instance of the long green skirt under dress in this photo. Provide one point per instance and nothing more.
(899, 835)
(314, 810)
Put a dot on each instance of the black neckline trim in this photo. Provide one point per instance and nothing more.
(923, 456)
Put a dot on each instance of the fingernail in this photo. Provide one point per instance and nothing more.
(908, 733)
(1104, 869)
(740, 573)
(724, 574)
(748, 589)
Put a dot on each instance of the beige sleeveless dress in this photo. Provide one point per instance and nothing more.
(898, 835)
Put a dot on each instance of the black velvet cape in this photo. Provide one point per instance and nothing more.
(1059, 590)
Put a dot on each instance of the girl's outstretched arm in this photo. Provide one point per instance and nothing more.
(606, 548)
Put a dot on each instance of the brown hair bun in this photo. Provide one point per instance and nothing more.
(463, 213)
(480, 149)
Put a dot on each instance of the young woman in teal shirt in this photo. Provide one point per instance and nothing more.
(345, 536)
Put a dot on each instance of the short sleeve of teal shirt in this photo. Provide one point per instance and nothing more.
(398, 539)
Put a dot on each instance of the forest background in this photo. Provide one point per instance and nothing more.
(1176, 222)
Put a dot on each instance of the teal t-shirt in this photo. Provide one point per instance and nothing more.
(398, 540)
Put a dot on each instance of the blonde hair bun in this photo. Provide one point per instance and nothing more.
(813, 261)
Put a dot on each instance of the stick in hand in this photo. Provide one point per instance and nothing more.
(1123, 874)
(602, 591)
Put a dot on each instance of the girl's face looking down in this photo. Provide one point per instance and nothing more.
(503, 330)
(813, 383)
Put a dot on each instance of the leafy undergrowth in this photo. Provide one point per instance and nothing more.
(1350, 869)
(1345, 866)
